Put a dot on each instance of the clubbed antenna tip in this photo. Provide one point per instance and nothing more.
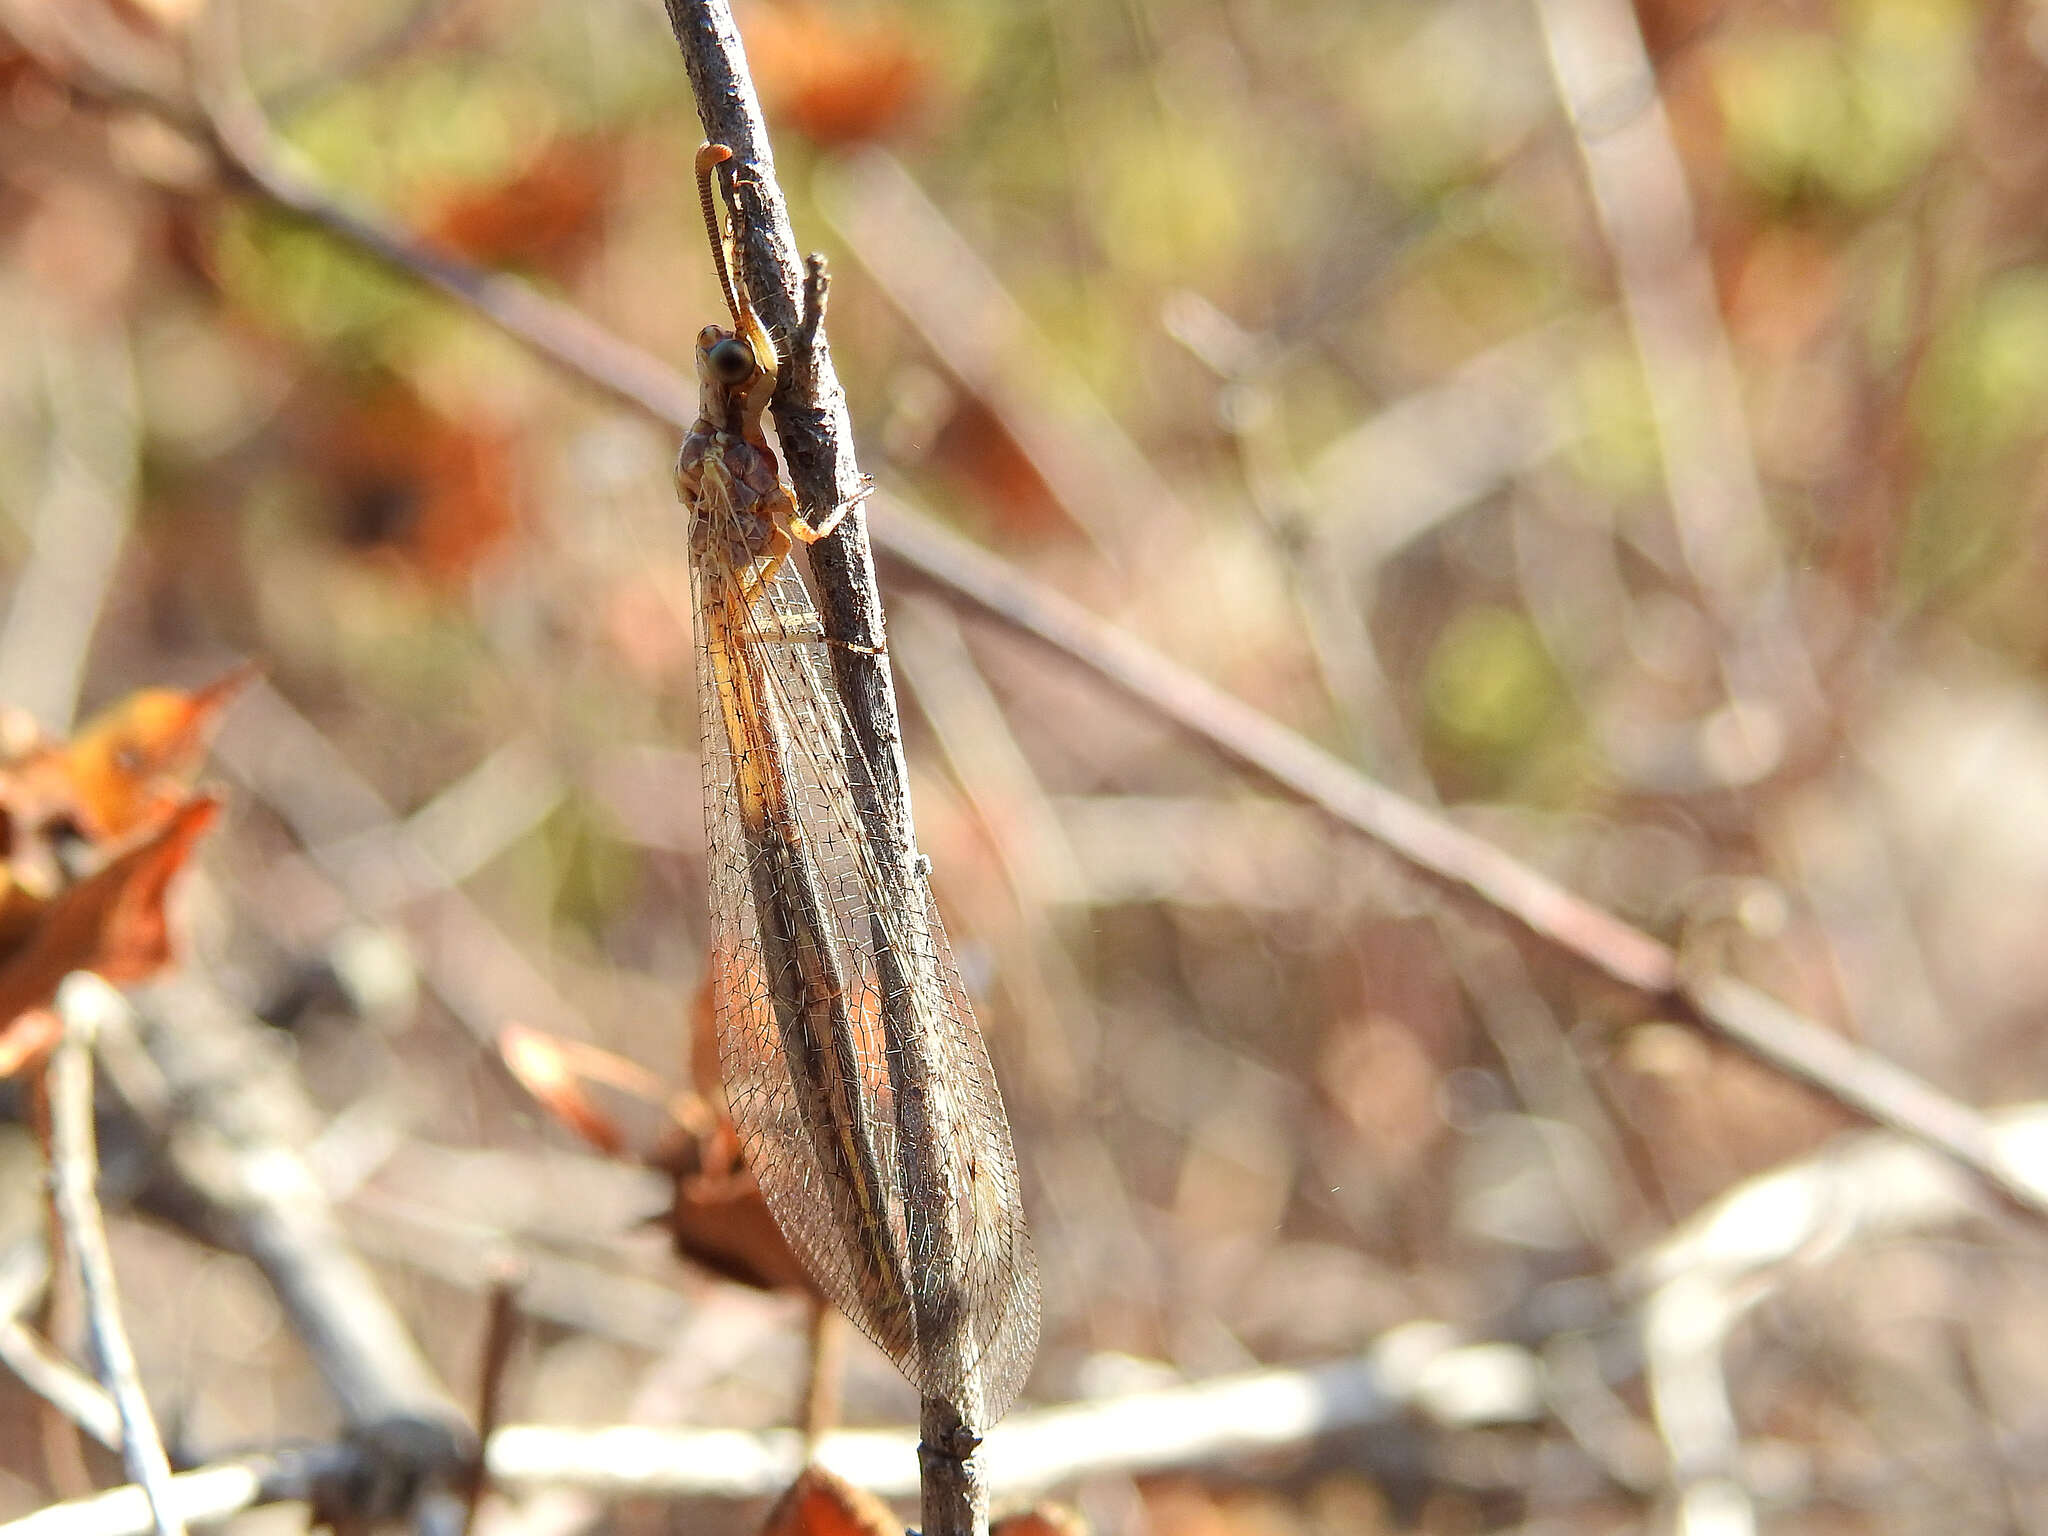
(709, 157)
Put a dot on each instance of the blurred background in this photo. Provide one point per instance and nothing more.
(1621, 426)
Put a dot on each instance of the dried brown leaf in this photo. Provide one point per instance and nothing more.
(112, 922)
(126, 768)
(821, 1503)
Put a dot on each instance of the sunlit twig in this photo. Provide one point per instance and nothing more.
(74, 1186)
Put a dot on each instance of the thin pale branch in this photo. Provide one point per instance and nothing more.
(24, 1272)
(60, 1383)
(199, 1497)
(74, 1187)
(1608, 87)
(228, 1176)
(1702, 1279)
(1225, 1420)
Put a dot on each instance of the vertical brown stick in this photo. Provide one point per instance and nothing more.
(809, 406)
(824, 1379)
(817, 442)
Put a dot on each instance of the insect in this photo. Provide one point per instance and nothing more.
(855, 1071)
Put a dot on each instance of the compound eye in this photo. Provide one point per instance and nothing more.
(732, 361)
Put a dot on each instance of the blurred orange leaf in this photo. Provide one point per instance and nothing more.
(1045, 1520)
(129, 765)
(20, 910)
(548, 216)
(417, 485)
(973, 442)
(111, 922)
(125, 769)
(821, 1503)
(835, 77)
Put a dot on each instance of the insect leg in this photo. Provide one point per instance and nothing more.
(810, 532)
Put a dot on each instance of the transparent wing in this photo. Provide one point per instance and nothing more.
(856, 1073)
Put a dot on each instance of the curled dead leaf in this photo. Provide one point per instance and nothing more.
(125, 769)
(112, 922)
(716, 1218)
(129, 764)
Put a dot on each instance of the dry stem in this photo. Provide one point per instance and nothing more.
(74, 1181)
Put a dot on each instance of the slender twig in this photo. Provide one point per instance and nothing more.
(24, 1271)
(1608, 88)
(60, 1383)
(817, 439)
(74, 1181)
(825, 1372)
(811, 419)
(26, 1286)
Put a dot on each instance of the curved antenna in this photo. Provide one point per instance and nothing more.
(708, 157)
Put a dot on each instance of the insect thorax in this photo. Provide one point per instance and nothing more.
(732, 490)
